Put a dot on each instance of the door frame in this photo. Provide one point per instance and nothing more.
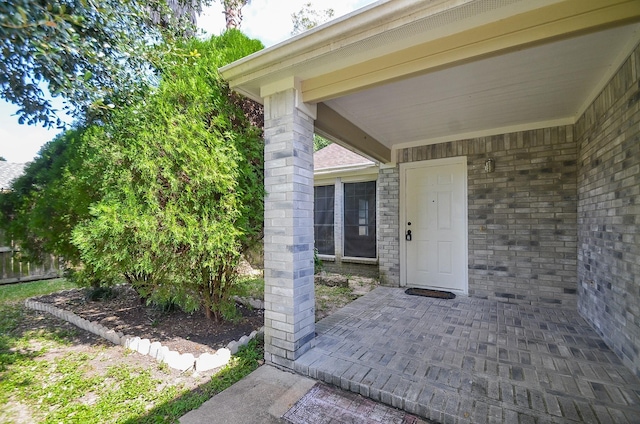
(458, 160)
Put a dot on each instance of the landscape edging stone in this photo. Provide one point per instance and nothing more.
(182, 362)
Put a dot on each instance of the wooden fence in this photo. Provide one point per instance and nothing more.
(15, 271)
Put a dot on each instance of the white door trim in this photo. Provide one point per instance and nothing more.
(403, 190)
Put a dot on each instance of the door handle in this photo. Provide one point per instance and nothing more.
(407, 236)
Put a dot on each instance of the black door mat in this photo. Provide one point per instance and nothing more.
(324, 404)
(430, 293)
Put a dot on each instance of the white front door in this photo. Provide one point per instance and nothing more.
(434, 224)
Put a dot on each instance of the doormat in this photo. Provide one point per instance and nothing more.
(323, 404)
(431, 293)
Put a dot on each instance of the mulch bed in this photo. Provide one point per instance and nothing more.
(178, 330)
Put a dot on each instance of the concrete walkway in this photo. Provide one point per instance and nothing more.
(273, 396)
(473, 361)
(262, 397)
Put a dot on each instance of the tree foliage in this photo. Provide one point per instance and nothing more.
(166, 193)
(319, 142)
(307, 17)
(233, 12)
(182, 190)
(93, 53)
(52, 196)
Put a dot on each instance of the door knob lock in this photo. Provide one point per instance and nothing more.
(407, 236)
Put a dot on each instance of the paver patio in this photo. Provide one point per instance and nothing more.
(471, 360)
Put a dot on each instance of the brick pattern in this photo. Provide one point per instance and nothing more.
(470, 360)
(608, 135)
(351, 268)
(288, 240)
(522, 217)
(330, 405)
(388, 226)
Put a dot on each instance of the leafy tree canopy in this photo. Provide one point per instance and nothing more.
(93, 53)
(52, 196)
(307, 17)
(166, 193)
(319, 142)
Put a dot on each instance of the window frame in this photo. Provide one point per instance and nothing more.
(338, 180)
(355, 220)
(333, 218)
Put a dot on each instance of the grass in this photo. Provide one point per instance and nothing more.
(22, 291)
(242, 364)
(332, 296)
(66, 389)
(41, 380)
(251, 287)
(327, 298)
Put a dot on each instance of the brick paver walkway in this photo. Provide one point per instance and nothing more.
(475, 361)
(329, 405)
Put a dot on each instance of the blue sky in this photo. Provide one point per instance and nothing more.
(266, 20)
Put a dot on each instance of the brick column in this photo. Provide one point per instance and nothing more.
(288, 226)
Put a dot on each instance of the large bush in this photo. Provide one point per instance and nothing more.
(52, 196)
(182, 192)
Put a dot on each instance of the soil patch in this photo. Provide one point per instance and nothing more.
(178, 330)
(334, 291)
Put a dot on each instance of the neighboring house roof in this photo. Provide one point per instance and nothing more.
(335, 161)
(405, 73)
(9, 172)
(336, 156)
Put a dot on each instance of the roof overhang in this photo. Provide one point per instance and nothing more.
(350, 172)
(406, 72)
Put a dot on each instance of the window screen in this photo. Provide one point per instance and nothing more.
(323, 219)
(360, 219)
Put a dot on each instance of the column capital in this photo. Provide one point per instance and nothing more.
(295, 84)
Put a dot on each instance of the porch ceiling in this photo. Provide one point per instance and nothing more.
(539, 86)
(407, 72)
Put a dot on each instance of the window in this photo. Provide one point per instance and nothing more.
(360, 219)
(323, 219)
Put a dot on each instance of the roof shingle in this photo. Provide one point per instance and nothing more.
(334, 155)
(9, 172)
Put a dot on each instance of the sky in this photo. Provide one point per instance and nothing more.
(267, 20)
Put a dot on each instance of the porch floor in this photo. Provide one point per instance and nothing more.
(470, 360)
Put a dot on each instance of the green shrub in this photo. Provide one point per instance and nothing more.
(182, 185)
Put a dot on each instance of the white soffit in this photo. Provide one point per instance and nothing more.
(549, 83)
(375, 30)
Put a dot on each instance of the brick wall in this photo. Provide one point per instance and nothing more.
(388, 226)
(352, 268)
(522, 217)
(608, 136)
